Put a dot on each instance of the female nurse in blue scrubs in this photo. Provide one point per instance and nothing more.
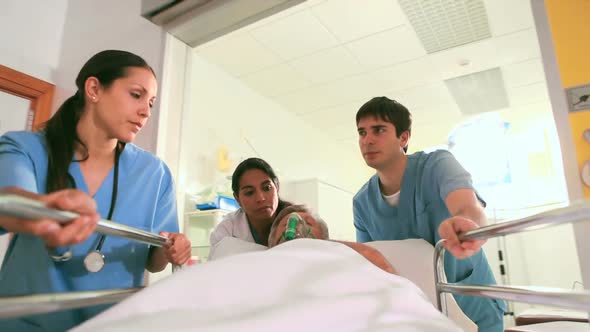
(87, 146)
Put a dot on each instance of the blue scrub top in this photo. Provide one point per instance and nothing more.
(145, 200)
(428, 179)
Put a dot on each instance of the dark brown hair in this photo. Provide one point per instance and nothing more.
(387, 110)
(60, 130)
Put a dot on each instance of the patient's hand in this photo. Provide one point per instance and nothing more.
(372, 254)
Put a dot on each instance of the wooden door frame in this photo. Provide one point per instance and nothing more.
(39, 92)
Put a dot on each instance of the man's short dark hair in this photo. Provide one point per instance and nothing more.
(387, 110)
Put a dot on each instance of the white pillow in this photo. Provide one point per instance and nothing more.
(229, 246)
(413, 259)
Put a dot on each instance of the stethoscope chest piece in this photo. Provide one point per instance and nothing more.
(94, 261)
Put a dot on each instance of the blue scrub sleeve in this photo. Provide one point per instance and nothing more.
(449, 174)
(16, 168)
(166, 218)
(361, 233)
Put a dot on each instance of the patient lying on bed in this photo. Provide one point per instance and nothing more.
(302, 285)
(309, 226)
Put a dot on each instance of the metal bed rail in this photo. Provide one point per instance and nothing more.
(17, 306)
(570, 299)
(21, 207)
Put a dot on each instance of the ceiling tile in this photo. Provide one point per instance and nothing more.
(528, 94)
(352, 19)
(300, 101)
(426, 96)
(517, 46)
(431, 135)
(343, 132)
(386, 48)
(295, 35)
(328, 65)
(333, 116)
(311, 3)
(349, 89)
(238, 54)
(503, 21)
(407, 74)
(435, 114)
(466, 59)
(277, 16)
(518, 115)
(524, 73)
(276, 80)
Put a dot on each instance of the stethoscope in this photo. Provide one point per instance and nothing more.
(95, 260)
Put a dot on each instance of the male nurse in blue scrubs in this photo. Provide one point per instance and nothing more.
(422, 195)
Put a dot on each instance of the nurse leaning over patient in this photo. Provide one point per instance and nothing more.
(87, 145)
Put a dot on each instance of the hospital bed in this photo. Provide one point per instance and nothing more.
(580, 300)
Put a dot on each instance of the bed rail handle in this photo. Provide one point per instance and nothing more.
(24, 305)
(579, 300)
(22, 207)
(573, 213)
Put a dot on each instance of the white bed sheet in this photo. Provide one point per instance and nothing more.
(412, 258)
(302, 285)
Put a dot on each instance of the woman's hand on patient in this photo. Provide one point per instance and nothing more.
(177, 249)
(52, 232)
(450, 230)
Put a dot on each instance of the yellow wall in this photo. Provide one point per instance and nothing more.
(570, 28)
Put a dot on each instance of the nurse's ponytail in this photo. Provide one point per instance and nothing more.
(60, 130)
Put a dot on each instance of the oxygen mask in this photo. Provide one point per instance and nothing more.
(296, 228)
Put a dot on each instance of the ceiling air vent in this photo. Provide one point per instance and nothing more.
(479, 92)
(443, 24)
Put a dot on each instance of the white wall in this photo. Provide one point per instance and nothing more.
(15, 112)
(222, 111)
(92, 26)
(31, 36)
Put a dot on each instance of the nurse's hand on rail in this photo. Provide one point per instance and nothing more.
(52, 232)
(450, 230)
(177, 249)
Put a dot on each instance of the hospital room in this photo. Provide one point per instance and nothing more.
(321, 165)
